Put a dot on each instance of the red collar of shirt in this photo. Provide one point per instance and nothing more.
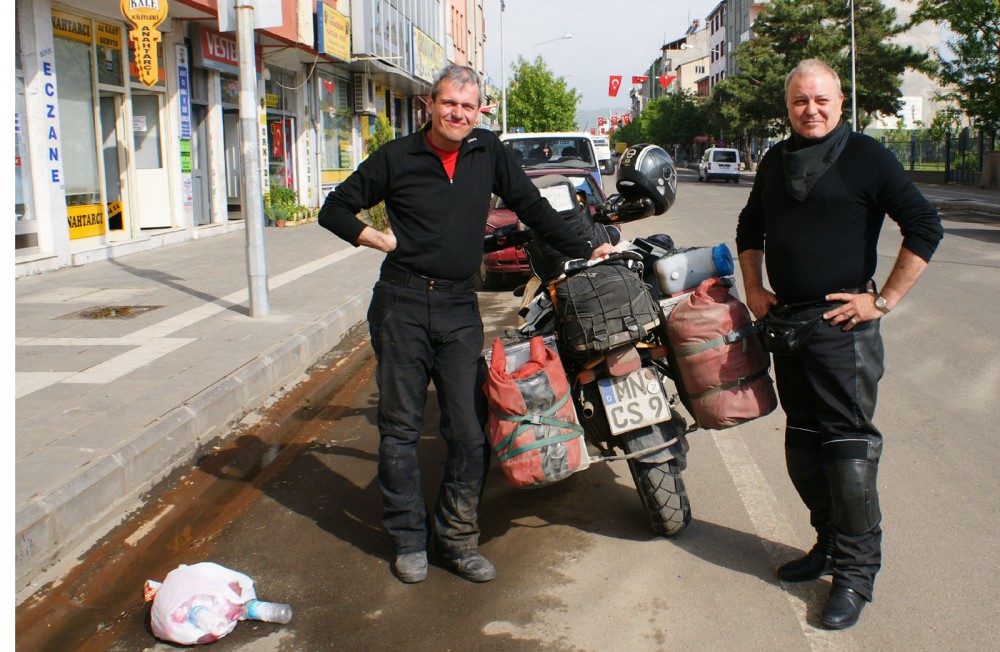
(448, 158)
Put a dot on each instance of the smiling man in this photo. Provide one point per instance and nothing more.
(814, 216)
(424, 317)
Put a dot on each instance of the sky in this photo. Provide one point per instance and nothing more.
(608, 38)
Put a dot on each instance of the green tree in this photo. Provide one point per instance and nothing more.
(788, 31)
(378, 216)
(629, 134)
(537, 100)
(674, 119)
(969, 72)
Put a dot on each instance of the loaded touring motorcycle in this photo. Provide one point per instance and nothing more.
(607, 351)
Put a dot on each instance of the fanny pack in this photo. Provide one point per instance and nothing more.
(782, 334)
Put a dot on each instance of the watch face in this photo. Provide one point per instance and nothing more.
(881, 304)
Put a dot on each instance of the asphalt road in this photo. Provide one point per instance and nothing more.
(293, 502)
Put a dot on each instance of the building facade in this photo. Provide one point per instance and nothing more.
(118, 152)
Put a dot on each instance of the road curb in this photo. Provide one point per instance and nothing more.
(52, 529)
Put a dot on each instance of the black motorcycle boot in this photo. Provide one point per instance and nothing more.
(843, 608)
(805, 469)
(814, 564)
(856, 525)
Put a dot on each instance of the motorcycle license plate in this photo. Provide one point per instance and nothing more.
(634, 401)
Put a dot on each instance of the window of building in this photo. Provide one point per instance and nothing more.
(336, 113)
(78, 139)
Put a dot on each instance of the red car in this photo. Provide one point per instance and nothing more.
(512, 262)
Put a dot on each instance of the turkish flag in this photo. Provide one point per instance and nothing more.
(665, 81)
(600, 121)
(627, 118)
(614, 120)
(328, 85)
(593, 131)
(637, 79)
(616, 82)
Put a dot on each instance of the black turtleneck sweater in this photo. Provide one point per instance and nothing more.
(827, 242)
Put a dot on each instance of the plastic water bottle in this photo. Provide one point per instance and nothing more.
(271, 612)
(208, 620)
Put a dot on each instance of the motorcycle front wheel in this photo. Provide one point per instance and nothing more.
(663, 494)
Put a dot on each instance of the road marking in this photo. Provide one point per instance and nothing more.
(771, 526)
(152, 342)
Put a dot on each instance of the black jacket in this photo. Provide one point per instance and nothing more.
(828, 242)
(439, 223)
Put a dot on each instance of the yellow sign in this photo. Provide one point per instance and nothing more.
(70, 26)
(145, 16)
(336, 34)
(109, 36)
(86, 221)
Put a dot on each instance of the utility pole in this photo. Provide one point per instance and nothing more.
(503, 73)
(253, 202)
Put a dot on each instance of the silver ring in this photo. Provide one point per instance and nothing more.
(854, 320)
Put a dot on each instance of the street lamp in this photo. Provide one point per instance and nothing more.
(503, 73)
(854, 86)
(553, 40)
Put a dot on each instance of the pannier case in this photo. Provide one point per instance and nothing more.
(723, 369)
(532, 426)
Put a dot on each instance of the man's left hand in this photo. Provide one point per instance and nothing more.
(856, 308)
(603, 250)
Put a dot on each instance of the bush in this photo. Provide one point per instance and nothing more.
(377, 216)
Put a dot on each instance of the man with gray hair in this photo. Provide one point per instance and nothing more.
(814, 216)
(424, 317)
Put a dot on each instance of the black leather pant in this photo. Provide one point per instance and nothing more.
(421, 336)
(828, 392)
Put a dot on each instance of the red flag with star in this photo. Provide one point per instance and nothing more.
(614, 85)
(639, 79)
(665, 81)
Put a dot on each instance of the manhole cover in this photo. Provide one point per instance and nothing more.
(111, 312)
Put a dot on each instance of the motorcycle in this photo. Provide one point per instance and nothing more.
(622, 381)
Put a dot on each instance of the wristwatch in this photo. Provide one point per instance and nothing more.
(881, 304)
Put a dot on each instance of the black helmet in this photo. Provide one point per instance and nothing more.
(646, 171)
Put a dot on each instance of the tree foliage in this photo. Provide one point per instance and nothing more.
(969, 72)
(537, 100)
(674, 119)
(788, 31)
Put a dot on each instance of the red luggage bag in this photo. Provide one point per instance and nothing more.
(724, 370)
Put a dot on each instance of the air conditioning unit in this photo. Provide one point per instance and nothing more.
(364, 94)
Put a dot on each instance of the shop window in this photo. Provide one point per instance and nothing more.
(109, 55)
(230, 89)
(78, 140)
(336, 115)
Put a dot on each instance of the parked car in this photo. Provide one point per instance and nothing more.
(555, 150)
(719, 163)
(512, 262)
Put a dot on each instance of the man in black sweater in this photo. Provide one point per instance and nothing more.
(816, 210)
(424, 315)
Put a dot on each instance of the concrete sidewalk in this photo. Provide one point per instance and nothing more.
(108, 406)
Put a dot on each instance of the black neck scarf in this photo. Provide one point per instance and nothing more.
(806, 160)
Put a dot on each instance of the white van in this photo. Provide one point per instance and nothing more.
(555, 149)
(719, 163)
(603, 148)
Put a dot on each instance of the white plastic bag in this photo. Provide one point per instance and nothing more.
(218, 589)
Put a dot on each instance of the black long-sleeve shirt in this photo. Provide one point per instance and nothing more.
(827, 243)
(440, 223)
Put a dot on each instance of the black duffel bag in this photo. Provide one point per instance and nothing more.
(605, 306)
